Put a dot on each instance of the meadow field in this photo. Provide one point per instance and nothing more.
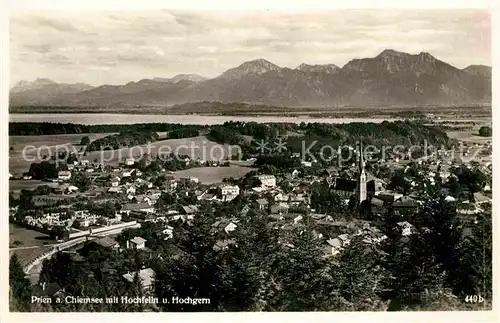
(19, 184)
(470, 135)
(195, 147)
(35, 147)
(27, 243)
(19, 142)
(211, 175)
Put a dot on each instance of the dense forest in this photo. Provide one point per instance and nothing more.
(314, 137)
(393, 133)
(121, 140)
(485, 131)
(48, 128)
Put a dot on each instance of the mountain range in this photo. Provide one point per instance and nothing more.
(390, 78)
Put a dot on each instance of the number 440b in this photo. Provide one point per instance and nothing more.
(474, 299)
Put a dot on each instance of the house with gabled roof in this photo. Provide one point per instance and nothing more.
(263, 203)
(223, 225)
(115, 181)
(189, 209)
(221, 245)
(107, 242)
(136, 243)
(64, 175)
(480, 198)
(244, 211)
(333, 247)
(146, 275)
(116, 190)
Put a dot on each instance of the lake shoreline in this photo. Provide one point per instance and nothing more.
(186, 119)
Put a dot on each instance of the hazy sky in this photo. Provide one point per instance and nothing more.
(118, 47)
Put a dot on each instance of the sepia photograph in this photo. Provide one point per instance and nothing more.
(183, 160)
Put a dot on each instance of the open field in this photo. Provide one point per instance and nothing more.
(196, 147)
(15, 185)
(469, 136)
(472, 134)
(19, 142)
(211, 175)
(27, 238)
(35, 147)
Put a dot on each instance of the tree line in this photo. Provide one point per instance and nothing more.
(121, 140)
(49, 128)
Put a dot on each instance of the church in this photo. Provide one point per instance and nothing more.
(364, 186)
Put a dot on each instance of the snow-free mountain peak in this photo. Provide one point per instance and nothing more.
(188, 77)
(253, 67)
(325, 68)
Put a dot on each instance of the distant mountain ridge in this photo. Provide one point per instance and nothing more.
(250, 68)
(391, 77)
(41, 83)
(182, 77)
(327, 68)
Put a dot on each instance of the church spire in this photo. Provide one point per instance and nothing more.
(361, 164)
(362, 175)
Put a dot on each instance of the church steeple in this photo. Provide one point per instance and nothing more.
(362, 175)
(361, 163)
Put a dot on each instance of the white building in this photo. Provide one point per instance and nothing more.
(64, 175)
(444, 174)
(136, 243)
(450, 198)
(406, 228)
(267, 180)
(230, 227)
(306, 163)
(297, 219)
(83, 222)
(137, 207)
(130, 189)
(168, 232)
(115, 181)
(72, 189)
(229, 192)
(147, 277)
(129, 161)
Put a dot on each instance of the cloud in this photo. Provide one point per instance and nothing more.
(57, 59)
(58, 25)
(117, 47)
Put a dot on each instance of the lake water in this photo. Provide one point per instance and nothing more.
(110, 118)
